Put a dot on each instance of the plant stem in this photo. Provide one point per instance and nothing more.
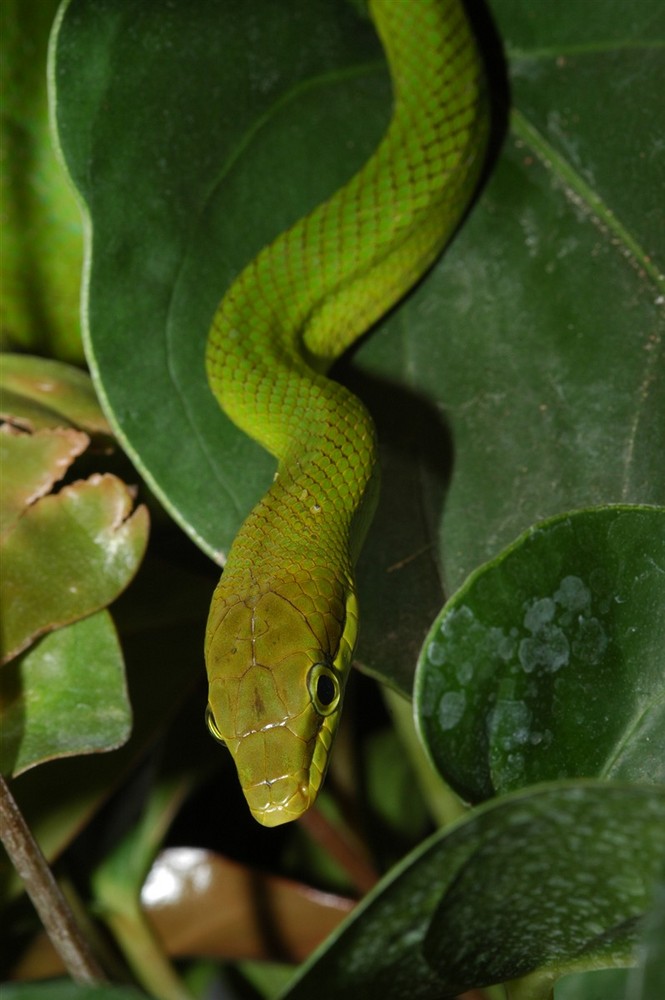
(343, 847)
(443, 804)
(538, 985)
(42, 888)
(145, 954)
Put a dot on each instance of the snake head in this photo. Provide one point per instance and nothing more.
(277, 664)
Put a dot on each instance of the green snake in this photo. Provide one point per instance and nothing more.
(284, 618)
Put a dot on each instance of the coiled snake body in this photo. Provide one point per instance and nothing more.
(284, 618)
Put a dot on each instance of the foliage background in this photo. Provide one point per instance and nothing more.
(522, 379)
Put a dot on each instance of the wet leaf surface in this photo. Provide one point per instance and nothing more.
(550, 661)
(578, 863)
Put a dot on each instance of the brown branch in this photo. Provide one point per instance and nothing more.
(47, 898)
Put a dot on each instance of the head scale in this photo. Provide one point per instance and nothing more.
(277, 665)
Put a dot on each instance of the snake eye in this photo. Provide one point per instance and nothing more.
(324, 689)
(212, 726)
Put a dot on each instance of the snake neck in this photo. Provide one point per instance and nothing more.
(307, 296)
(317, 510)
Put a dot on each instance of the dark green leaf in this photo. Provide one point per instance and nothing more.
(525, 366)
(644, 981)
(552, 879)
(549, 661)
(603, 984)
(165, 182)
(648, 978)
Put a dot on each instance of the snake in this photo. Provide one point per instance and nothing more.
(283, 620)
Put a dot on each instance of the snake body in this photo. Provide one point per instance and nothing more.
(284, 618)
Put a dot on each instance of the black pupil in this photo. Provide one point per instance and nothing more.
(325, 690)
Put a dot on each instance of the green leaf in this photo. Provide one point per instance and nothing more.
(65, 696)
(496, 403)
(602, 984)
(548, 662)
(70, 554)
(643, 981)
(65, 554)
(154, 206)
(42, 242)
(648, 978)
(161, 618)
(31, 465)
(268, 978)
(552, 879)
(43, 393)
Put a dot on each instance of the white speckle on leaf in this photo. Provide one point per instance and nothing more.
(436, 653)
(539, 613)
(451, 709)
(464, 672)
(549, 650)
(573, 594)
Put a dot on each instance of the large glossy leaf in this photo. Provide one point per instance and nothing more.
(171, 203)
(643, 981)
(550, 661)
(577, 863)
(519, 380)
(648, 977)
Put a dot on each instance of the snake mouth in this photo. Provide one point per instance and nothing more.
(273, 802)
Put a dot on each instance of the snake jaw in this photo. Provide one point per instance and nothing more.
(280, 801)
(283, 792)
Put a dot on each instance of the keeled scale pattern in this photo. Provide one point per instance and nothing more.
(286, 599)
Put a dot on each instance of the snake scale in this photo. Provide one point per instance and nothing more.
(284, 618)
